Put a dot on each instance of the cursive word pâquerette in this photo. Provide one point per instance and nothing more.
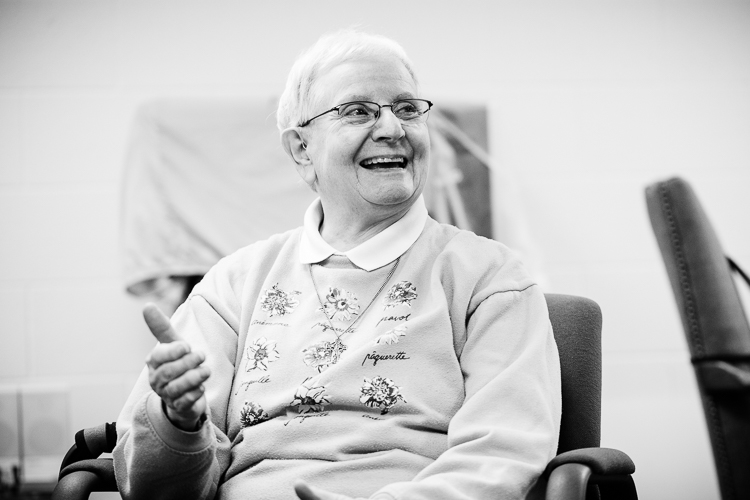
(375, 357)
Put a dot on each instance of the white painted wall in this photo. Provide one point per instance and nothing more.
(591, 101)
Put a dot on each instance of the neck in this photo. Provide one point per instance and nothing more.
(345, 229)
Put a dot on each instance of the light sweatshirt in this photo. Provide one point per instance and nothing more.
(447, 387)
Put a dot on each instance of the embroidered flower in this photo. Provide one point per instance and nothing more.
(340, 305)
(260, 353)
(309, 398)
(380, 392)
(278, 302)
(323, 354)
(402, 292)
(252, 414)
(392, 336)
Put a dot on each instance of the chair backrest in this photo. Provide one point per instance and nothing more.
(577, 326)
(715, 325)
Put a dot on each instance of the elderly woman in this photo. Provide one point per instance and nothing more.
(370, 353)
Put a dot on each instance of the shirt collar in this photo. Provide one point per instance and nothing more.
(376, 252)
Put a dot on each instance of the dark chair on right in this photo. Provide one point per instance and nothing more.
(715, 325)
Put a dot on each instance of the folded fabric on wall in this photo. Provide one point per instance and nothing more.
(203, 178)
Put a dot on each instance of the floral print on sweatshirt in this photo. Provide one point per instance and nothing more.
(392, 336)
(323, 354)
(340, 305)
(310, 398)
(380, 392)
(402, 293)
(259, 353)
(252, 414)
(277, 302)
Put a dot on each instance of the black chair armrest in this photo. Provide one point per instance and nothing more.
(81, 471)
(571, 473)
(601, 461)
(722, 376)
(79, 479)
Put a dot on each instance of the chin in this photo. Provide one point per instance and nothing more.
(393, 196)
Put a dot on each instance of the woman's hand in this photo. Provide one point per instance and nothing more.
(175, 372)
(307, 492)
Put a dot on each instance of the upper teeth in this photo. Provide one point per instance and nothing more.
(381, 159)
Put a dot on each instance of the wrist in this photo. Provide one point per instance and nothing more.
(189, 424)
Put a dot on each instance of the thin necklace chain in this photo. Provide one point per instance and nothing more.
(359, 316)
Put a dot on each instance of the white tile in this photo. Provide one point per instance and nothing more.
(609, 128)
(638, 307)
(198, 43)
(705, 40)
(86, 329)
(57, 43)
(536, 129)
(11, 152)
(584, 39)
(724, 198)
(664, 128)
(73, 138)
(541, 40)
(59, 233)
(13, 332)
(571, 279)
(651, 410)
(10, 442)
(95, 402)
(586, 218)
(45, 410)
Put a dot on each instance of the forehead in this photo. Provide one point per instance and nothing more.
(372, 78)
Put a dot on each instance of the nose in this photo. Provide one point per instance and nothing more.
(387, 127)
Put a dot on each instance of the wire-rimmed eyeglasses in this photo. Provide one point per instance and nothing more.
(364, 113)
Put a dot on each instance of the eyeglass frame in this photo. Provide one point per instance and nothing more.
(377, 116)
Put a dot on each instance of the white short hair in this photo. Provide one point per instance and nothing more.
(330, 50)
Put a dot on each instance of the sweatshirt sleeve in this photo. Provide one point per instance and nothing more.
(155, 460)
(507, 429)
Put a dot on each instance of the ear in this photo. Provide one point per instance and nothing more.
(296, 148)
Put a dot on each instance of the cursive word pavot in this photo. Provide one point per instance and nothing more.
(375, 357)
(302, 418)
(405, 317)
(266, 323)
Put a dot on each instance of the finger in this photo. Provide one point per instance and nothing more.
(185, 402)
(164, 353)
(190, 381)
(307, 492)
(159, 324)
(164, 373)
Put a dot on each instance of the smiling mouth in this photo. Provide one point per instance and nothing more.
(385, 162)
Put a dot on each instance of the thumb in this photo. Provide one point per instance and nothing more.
(306, 492)
(159, 324)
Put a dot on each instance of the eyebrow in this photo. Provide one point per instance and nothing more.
(362, 97)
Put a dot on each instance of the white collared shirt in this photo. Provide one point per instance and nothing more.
(374, 253)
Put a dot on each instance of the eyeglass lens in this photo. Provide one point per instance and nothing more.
(362, 112)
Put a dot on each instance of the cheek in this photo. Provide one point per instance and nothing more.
(421, 147)
(420, 141)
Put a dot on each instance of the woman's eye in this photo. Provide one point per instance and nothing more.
(406, 111)
(355, 111)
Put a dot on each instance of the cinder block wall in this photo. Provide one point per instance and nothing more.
(590, 102)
